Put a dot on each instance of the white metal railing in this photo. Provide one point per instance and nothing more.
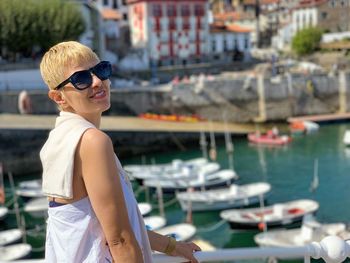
(331, 249)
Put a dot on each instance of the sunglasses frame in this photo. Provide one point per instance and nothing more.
(90, 70)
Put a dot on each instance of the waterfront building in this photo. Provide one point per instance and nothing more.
(230, 42)
(330, 15)
(170, 32)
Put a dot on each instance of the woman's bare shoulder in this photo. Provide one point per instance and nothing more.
(96, 140)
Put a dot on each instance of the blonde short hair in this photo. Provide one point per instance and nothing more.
(64, 55)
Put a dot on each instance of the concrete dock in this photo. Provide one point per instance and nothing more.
(122, 124)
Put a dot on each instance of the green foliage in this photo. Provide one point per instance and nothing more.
(37, 24)
(306, 41)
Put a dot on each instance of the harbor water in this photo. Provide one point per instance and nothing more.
(289, 169)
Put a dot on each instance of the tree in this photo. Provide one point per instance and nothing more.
(307, 40)
(37, 24)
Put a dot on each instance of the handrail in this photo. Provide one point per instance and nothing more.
(331, 249)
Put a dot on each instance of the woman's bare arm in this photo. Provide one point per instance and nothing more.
(104, 189)
(182, 249)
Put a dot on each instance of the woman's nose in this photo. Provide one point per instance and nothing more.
(96, 82)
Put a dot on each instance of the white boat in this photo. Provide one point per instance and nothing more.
(35, 183)
(223, 198)
(154, 222)
(346, 138)
(3, 212)
(38, 207)
(29, 192)
(10, 236)
(181, 232)
(183, 171)
(145, 208)
(310, 231)
(174, 166)
(311, 126)
(277, 215)
(13, 252)
(220, 178)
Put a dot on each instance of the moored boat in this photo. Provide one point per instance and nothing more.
(277, 215)
(10, 236)
(181, 232)
(310, 231)
(214, 180)
(269, 139)
(13, 252)
(154, 222)
(346, 138)
(223, 198)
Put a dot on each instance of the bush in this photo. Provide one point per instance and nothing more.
(307, 41)
(35, 25)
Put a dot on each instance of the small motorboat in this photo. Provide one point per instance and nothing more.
(346, 138)
(28, 193)
(269, 138)
(277, 215)
(303, 127)
(145, 208)
(201, 181)
(154, 222)
(3, 212)
(223, 198)
(181, 232)
(183, 171)
(37, 207)
(13, 252)
(174, 166)
(35, 183)
(310, 231)
(10, 236)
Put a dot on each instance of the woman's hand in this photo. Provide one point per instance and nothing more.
(186, 250)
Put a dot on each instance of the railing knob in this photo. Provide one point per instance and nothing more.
(332, 249)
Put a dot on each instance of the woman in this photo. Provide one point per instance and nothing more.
(93, 215)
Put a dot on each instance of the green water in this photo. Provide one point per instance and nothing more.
(289, 170)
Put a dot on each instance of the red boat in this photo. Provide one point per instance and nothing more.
(269, 138)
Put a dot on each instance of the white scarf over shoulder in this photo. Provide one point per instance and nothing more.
(57, 154)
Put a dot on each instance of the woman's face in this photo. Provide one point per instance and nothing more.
(93, 100)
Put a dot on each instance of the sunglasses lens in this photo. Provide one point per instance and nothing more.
(103, 70)
(82, 79)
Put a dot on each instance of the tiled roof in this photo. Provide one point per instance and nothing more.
(220, 27)
(233, 16)
(310, 3)
(110, 14)
(261, 2)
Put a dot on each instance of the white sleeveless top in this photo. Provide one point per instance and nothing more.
(74, 233)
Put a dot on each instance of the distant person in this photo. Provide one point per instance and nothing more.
(24, 103)
(93, 215)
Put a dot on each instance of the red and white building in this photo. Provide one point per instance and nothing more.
(172, 32)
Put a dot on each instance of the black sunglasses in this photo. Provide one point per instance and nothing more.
(83, 79)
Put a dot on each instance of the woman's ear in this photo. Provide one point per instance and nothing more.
(57, 97)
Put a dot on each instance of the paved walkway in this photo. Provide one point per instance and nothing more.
(115, 123)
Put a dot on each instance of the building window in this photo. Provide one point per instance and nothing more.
(157, 10)
(171, 10)
(124, 2)
(115, 4)
(246, 43)
(198, 10)
(172, 24)
(186, 25)
(105, 2)
(324, 15)
(342, 3)
(333, 3)
(125, 17)
(185, 10)
(213, 46)
(225, 45)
